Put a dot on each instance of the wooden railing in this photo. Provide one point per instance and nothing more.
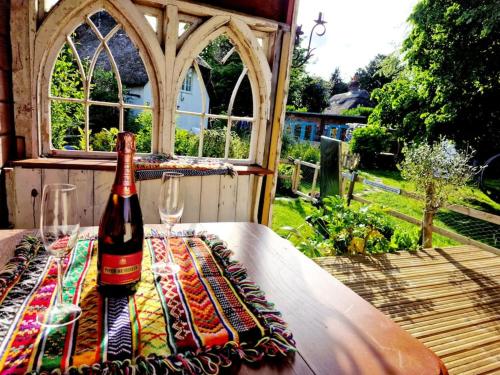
(296, 177)
(350, 179)
(354, 178)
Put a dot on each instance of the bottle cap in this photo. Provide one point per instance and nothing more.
(125, 142)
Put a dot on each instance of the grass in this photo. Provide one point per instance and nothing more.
(288, 212)
(469, 196)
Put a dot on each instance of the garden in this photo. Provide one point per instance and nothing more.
(336, 228)
(431, 131)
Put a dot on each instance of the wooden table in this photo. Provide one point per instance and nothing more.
(337, 332)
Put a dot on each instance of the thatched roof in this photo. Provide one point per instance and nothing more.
(130, 65)
(355, 97)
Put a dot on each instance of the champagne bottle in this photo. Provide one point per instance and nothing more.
(121, 232)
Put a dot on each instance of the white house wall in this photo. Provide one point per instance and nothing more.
(190, 101)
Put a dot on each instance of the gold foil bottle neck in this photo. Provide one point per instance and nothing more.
(125, 142)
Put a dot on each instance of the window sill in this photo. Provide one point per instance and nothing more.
(110, 165)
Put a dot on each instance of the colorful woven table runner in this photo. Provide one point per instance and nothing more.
(152, 166)
(205, 317)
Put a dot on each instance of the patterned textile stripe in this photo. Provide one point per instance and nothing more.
(57, 344)
(87, 345)
(153, 329)
(118, 328)
(179, 328)
(17, 354)
(236, 311)
(207, 320)
(19, 295)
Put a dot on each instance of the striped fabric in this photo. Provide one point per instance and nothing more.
(197, 321)
(151, 167)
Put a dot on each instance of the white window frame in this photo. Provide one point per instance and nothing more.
(87, 80)
(166, 56)
(187, 84)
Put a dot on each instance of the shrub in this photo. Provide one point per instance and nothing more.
(214, 141)
(305, 151)
(105, 140)
(439, 171)
(284, 186)
(405, 240)
(340, 229)
(143, 126)
(186, 143)
(368, 141)
(358, 111)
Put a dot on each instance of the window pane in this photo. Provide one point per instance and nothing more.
(190, 95)
(104, 86)
(153, 21)
(137, 88)
(67, 125)
(86, 44)
(66, 81)
(243, 103)
(103, 126)
(49, 4)
(214, 138)
(103, 21)
(140, 122)
(187, 135)
(183, 27)
(241, 132)
(221, 67)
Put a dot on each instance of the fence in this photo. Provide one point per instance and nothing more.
(476, 227)
(304, 178)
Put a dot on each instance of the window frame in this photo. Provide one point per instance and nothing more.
(164, 69)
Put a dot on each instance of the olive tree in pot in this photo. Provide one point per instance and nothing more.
(439, 171)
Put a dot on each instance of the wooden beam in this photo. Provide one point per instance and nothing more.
(167, 133)
(23, 19)
(278, 119)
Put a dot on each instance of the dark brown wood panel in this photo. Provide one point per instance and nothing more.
(276, 10)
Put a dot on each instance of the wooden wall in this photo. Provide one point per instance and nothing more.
(207, 198)
(5, 82)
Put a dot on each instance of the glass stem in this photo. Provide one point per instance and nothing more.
(59, 290)
(167, 240)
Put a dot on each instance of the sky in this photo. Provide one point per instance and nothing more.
(356, 31)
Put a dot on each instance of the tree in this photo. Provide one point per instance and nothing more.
(438, 171)
(66, 82)
(452, 56)
(399, 106)
(337, 84)
(222, 78)
(315, 94)
(380, 70)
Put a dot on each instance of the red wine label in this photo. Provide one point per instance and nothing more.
(120, 269)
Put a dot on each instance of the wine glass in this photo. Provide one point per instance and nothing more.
(59, 227)
(170, 206)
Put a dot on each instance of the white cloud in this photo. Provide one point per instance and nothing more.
(356, 31)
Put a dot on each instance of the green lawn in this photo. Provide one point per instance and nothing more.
(291, 212)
